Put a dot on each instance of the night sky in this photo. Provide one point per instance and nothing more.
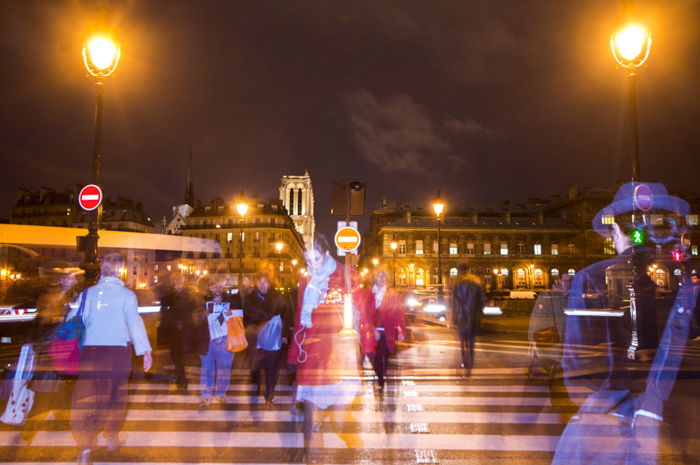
(486, 100)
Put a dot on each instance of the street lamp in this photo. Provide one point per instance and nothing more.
(375, 261)
(438, 208)
(242, 209)
(278, 247)
(630, 47)
(394, 246)
(101, 56)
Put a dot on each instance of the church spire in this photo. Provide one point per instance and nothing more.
(189, 190)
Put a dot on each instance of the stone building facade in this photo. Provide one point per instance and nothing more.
(297, 196)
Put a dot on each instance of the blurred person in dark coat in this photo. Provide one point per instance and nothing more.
(177, 314)
(467, 305)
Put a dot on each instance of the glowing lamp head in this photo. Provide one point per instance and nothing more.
(279, 246)
(375, 261)
(631, 46)
(101, 56)
(242, 208)
(394, 246)
(294, 262)
(438, 204)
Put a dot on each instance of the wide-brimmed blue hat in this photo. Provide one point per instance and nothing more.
(639, 197)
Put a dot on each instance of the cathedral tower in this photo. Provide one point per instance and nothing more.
(297, 196)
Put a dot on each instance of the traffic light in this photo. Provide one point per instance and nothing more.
(637, 236)
(677, 255)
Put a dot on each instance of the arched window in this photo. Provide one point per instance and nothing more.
(571, 272)
(520, 277)
(453, 272)
(420, 277)
(538, 278)
(401, 277)
(555, 272)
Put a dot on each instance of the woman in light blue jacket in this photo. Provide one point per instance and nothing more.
(112, 326)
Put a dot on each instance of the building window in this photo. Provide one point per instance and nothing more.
(657, 219)
(539, 278)
(677, 272)
(453, 272)
(453, 248)
(504, 248)
(521, 247)
(419, 247)
(555, 272)
(537, 248)
(402, 277)
(402, 247)
(420, 277)
(571, 272)
(609, 246)
(555, 248)
(435, 247)
(487, 248)
(607, 219)
(692, 220)
(571, 247)
(470, 248)
(520, 277)
(694, 249)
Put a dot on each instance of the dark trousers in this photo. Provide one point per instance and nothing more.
(267, 360)
(178, 354)
(467, 340)
(380, 359)
(100, 395)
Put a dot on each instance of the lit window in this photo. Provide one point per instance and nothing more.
(537, 248)
(256, 237)
(692, 220)
(657, 219)
(609, 246)
(435, 247)
(571, 272)
(420, 281)
(607, 219)
(487, 248)
(229, 237)
(419, 247)
(539, 278)
(453, 248)
(470, 248)
(694, 249)
(555, 249)
(504, 248)
(677, 272)
(402, 246)
(555, 272)
(453, 271)
(571, 247)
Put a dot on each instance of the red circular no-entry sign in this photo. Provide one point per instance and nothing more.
(90, 197)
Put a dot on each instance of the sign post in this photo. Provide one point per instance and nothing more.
(90, 200)
(90, 197)
(347, 240)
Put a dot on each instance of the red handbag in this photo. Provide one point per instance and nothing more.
(64, 350)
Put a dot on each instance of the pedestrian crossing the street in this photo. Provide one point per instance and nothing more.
(458, 420)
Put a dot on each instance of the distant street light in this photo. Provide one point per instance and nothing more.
(375, 261)
(630, 47)
(242, 209)
(278, 247)
(438, 208)
(394, 246)
(101, 56)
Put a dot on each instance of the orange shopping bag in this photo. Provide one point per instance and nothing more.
(236, 341)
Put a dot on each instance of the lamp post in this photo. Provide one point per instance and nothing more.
(242, 209)
(438, 208)
(278, 247)
(630, 47)
(394, 246)
(101, 56)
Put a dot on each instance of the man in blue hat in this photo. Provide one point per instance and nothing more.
(611, 335)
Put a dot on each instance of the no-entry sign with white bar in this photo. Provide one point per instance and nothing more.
(347, 239)
(90, 197)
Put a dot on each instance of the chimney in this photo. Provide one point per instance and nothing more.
(539, 218)
(573, 190)
(506, 217)
(385, 202)
(408, 217)
(21, 193)
(475, 217)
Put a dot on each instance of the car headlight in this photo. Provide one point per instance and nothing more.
(434, 308)
(412, 302)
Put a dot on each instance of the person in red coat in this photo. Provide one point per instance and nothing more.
(327, 368)
(381, 323)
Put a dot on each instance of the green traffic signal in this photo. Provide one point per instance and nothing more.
(637, 236)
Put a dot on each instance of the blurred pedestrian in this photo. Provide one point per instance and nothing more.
(467, 305)
(327, 365)
(52, 391)
(381, 322)
(262, 307)
(215, 377)
(113, 328)
(176, 324)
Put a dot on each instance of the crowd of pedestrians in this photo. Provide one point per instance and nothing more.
(630, 379)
